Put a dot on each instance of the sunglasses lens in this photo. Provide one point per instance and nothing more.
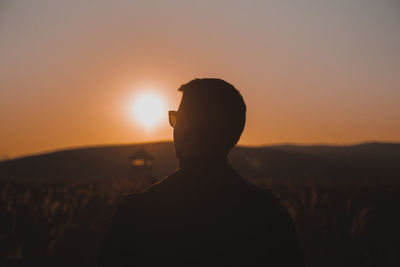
(172, 118)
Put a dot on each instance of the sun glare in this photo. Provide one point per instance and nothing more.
(149, 109)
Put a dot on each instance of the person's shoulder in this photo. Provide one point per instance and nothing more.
(251, 190)
(269, 201)
(257, 196)
(274, 210)
(268, 195)
(264, 201)
(163, 185)
(166, 184)
(130, 200)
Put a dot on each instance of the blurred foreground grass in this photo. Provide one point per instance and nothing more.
(62, 223)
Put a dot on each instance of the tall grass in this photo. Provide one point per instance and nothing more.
(62, 223)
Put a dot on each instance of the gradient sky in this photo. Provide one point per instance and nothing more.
(310, 71)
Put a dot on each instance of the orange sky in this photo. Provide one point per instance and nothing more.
(309, 72)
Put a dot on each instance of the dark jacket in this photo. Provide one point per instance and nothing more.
(202, 214)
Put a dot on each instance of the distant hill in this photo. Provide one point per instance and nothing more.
(369, 162)
(90, 162)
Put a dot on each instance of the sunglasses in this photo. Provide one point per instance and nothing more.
(172, 114)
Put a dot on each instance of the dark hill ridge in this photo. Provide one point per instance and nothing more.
(369, 162)
(92, 162)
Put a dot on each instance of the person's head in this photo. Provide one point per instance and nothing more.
(210, 118)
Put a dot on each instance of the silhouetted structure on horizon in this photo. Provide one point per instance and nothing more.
(142, 167)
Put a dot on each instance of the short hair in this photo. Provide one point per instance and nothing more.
(217, 111)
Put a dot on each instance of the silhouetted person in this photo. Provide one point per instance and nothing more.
(204, 213)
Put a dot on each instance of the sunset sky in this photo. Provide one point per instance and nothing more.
(310, 71)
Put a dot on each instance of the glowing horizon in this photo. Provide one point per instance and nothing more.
(309, 72)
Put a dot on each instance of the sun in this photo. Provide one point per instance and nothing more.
(149, 109)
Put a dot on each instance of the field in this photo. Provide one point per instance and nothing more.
(62, 223)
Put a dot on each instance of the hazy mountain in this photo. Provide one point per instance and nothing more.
(370, 162)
